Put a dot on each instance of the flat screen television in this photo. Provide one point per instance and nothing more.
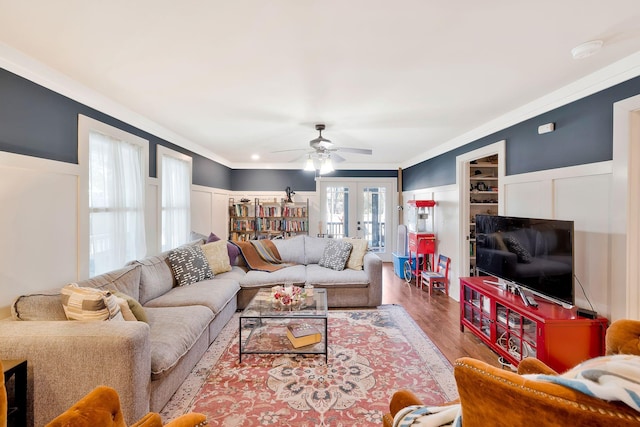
(536, 254)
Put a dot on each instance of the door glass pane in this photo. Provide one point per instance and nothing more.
(337, 211)
(374, 218)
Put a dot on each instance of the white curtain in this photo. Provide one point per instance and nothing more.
(116, 203)
(176, 201)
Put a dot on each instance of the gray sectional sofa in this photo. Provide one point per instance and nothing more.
(147, 362)
(345, 288)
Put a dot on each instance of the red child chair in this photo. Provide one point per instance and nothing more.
(438, 279)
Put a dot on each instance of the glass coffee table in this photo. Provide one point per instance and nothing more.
(263, 325)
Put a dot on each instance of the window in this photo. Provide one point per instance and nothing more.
(175, 182)
(115, 190)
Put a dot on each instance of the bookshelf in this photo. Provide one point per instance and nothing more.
(242, 220)
(263, 219)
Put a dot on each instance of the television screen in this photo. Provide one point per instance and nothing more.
(534, 253)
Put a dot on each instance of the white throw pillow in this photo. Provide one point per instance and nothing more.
(356, 258)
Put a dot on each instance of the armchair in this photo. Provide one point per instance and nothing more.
(101, 408)
(498, 397)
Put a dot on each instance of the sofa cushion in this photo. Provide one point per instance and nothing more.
(314, 248)
(326, 277)
(189, 265)
(236, 273)
(214, 294)
(356, 257)
(259, 279)
(173, 331)
(156, 277)
(217, 256)
(80, 303)
(125, 280)
(336, 254)
(291, 250)
(45, 305)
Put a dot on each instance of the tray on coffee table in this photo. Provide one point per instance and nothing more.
(263, 324)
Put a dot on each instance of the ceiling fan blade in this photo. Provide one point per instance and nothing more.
(356, 150)
(291, 149)
(337, 158)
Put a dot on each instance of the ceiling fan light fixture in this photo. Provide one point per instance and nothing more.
(326, 166)
(309, 165)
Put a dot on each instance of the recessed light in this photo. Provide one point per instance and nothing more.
(255, 157)
(586, 49)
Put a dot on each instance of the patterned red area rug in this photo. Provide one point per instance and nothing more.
(372, 353)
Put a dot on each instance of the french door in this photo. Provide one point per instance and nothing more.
(360, 209)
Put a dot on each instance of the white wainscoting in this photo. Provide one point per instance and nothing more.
(209, 213)
(446, 226)
(580, 193)
(38, 226)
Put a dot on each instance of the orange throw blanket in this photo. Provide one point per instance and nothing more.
(261, 255)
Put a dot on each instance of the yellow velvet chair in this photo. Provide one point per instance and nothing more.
(101, 408)
(491, 396)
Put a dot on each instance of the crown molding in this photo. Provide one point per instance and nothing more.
(29, 68)
(611, 75)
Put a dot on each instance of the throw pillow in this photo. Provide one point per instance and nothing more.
(134, 306)
(516, 247)
(189, 265)
(335, 254)
(356, 258)
(81, 303)
(212, 238)
(217, 256)
(231, 249)
(125, 310)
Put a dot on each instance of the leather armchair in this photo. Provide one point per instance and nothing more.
(101, 408)
(499, 397)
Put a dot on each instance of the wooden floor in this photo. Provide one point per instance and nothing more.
(438, 316)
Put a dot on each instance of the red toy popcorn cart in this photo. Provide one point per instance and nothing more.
(422, 239)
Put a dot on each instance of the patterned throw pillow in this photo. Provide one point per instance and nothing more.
(189, 265)
(217, 256)
(80, 303)
(335, 254)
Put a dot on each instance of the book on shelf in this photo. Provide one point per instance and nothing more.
(303, 334)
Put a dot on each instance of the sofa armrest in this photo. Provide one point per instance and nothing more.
(373, 269)
(67, 359)
(531, 365)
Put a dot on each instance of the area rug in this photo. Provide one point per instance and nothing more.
(372, 353)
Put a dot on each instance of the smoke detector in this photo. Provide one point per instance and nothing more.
(586, 49)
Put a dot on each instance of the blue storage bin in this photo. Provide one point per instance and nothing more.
(398, 264)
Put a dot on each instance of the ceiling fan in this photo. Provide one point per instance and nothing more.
(324, 147)
(324, 153)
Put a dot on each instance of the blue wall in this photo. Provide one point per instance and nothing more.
(584, 134)
(38, 122)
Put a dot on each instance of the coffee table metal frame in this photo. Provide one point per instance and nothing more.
(260, 314)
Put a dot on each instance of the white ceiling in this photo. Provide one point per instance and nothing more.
(247, 76)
